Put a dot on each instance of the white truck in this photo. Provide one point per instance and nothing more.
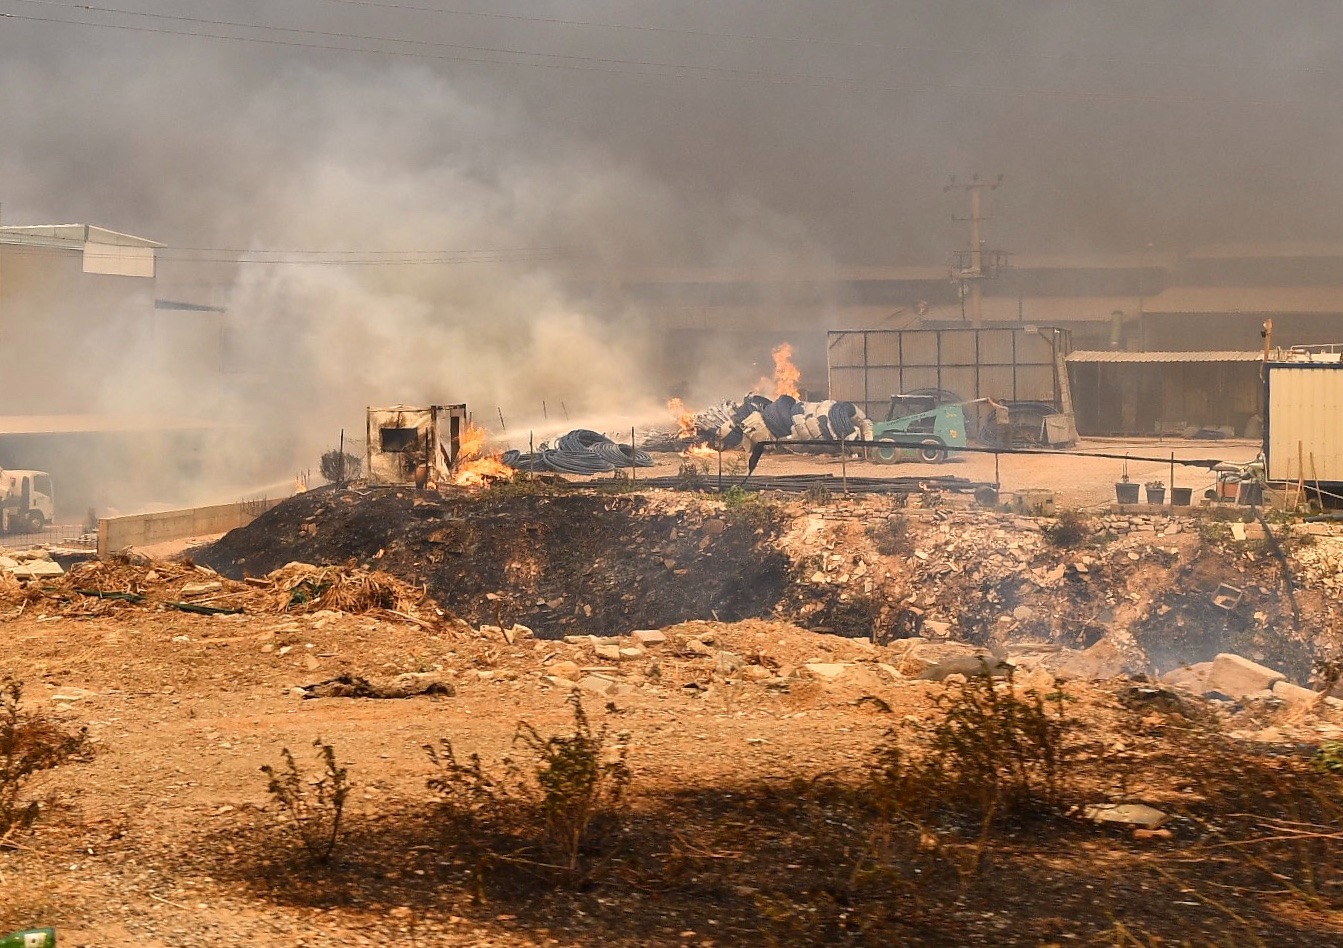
(26, 501)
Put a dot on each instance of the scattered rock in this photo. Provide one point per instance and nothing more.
(648, 637)
(1190, 678)
(193, 590)
(824, 671)
(597, 685)
(607, 653)
(1236, 676)
(1294, 695)
(1126, 814)
(566, 669)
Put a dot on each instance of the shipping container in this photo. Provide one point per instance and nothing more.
(1303, 423)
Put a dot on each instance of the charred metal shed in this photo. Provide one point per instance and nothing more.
(414, 445)
(1173, 393)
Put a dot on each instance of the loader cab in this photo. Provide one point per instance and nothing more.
(903, 406)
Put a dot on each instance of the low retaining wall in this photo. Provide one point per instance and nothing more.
(117, 533)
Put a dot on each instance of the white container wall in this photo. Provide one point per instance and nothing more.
(1304, 430)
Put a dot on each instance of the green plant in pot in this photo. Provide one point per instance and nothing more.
(1156, 492)
(1126, 492)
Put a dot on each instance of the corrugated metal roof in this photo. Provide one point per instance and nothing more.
(73, 236)
(1083, 355)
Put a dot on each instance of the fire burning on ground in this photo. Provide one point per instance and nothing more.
(475, 468)
(685, 419)
(687, 430)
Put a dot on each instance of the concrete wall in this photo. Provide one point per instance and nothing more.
(117, 533)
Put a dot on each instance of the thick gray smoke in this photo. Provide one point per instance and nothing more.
(783, 134)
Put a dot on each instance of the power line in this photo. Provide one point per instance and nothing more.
(576, 63)
(1128, 63)
(327, 34)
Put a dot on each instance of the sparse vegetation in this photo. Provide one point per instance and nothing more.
(29, 744)
(747, 508)
(1069, 530)
(892, 536)
(314, 806)
(558, 803)
(995, 752)
(340, 468)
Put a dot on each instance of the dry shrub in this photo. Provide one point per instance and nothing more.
(995, 752)
(552, 810)
(892, 537)
(314, 806)
(29, 744)
(301, 587)
(1069, 530)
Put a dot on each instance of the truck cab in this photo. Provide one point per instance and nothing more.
(27, 503)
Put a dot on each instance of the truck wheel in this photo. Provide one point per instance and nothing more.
(33, 521)
(932, 451)
(885, 454)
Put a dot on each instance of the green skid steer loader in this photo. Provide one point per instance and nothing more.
(918, 429)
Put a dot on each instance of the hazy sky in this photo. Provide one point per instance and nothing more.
(762, 133)
(677, 130)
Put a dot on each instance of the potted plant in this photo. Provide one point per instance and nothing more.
(1156, 492)
(1125, 492)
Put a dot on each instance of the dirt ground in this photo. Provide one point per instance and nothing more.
(1076, 480)
(752, 744)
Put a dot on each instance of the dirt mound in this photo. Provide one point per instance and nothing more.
(558, 563)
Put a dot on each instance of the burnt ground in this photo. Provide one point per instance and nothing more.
(555, 562)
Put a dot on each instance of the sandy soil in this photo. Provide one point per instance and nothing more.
(750, 817)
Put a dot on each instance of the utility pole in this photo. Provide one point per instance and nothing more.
(971, 269)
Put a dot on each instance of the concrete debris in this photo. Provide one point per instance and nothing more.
(1190, 678)
(824, 671)
(1126, 814)
(1294, 695)
(1097, 663)
(567, 670)
(597, 685)
(1237, 677)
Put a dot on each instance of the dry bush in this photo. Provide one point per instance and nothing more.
(314, 806)
(892, 536)
(300, 587)
(562, 801)
(1069, 530)
(338, 468)
(994, 753)
(29, 744)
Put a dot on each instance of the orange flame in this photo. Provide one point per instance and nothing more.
(300, 483)
(786, 375)
(699, 452)
(475, 468)
(685, 419)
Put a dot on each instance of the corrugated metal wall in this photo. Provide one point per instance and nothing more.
(1305, 422)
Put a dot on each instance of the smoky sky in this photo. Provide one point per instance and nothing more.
(830, 126)
(777, 135)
